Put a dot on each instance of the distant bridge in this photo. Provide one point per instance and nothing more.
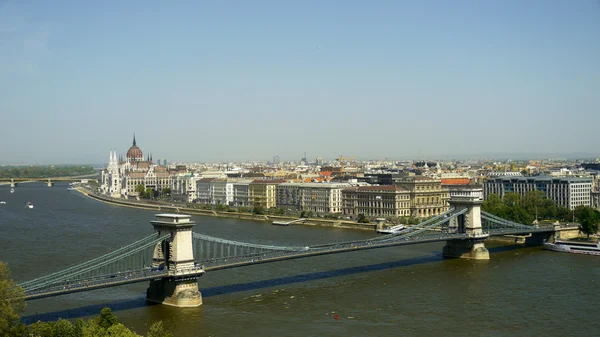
(175, 257)
(48, 180)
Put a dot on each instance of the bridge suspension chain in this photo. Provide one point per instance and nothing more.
(388, 236)
(92, 261)
(197, 236)
(429, 227)
(85, 268)
(499, 220)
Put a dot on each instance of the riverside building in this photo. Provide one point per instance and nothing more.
(122, 175)
(314, 197)
(427, 196)
(376, 201)
(564, 191)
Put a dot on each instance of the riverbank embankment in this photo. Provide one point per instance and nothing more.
(235, 215)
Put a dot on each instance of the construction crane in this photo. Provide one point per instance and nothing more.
(341, 159)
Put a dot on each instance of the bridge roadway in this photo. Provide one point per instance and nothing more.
(108, 281)
(429, 236)
(73, 178)
(226, 263)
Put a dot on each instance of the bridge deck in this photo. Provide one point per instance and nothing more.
(109, 281)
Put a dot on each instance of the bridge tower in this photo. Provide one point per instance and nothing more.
(176, 255)
(469, 223)
(50, 183)
(12, 183)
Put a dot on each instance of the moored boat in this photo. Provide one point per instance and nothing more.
(391, 230)
(29, 204)
(575, 247)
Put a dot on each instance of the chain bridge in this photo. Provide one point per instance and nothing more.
(173, 258)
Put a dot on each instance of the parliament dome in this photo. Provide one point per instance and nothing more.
(134, 152)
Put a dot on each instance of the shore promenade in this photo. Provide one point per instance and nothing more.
(174, 208)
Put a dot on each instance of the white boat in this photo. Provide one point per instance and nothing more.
(2, 202)
(575, 247)
(29, 204)
(391, 230)
(12, 190)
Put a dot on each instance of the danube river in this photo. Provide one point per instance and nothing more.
(401, 291)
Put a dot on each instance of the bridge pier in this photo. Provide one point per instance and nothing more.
(466, 249)
(50, 183)
(13, 184)
(176, 255)
(539, 238)
(472, 245)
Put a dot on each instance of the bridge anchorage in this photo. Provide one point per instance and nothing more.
(468, 201)
(175, 254)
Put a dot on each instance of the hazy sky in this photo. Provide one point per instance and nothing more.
(237, 80)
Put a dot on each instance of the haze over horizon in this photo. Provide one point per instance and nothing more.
(225, 81)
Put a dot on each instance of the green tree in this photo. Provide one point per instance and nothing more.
(362, 219)
(63, 328)
(494, 205)
(107, 318)
(12, 304)
(242, 209)
(222, 207)
(157, 330)
(258, 210)
(40, 329)
(166, 191)
(141, 190)
(588, 220)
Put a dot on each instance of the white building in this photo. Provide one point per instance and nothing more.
(222, 192)
(315, 197)
(564, 191)
(122, 177)
(204, 191)
(241, 192)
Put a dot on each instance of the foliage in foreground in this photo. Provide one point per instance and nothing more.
(12, 306)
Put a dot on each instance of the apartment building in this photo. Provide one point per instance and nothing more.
(263, 193)
(222, 191)
(241, 192)
(568, 192)
(427, 196)
(376, 201)
(288, 196)
(204, 192)
(322, 197)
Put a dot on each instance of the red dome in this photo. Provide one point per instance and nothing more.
(134, 151)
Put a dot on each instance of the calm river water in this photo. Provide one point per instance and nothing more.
(401, 291)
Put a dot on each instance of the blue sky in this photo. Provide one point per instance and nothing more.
(238, 80)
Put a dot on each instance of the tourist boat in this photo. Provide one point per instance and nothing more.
(391, 230)
(29, 204)
(575, 247)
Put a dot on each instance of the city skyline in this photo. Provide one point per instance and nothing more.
(218, 82)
